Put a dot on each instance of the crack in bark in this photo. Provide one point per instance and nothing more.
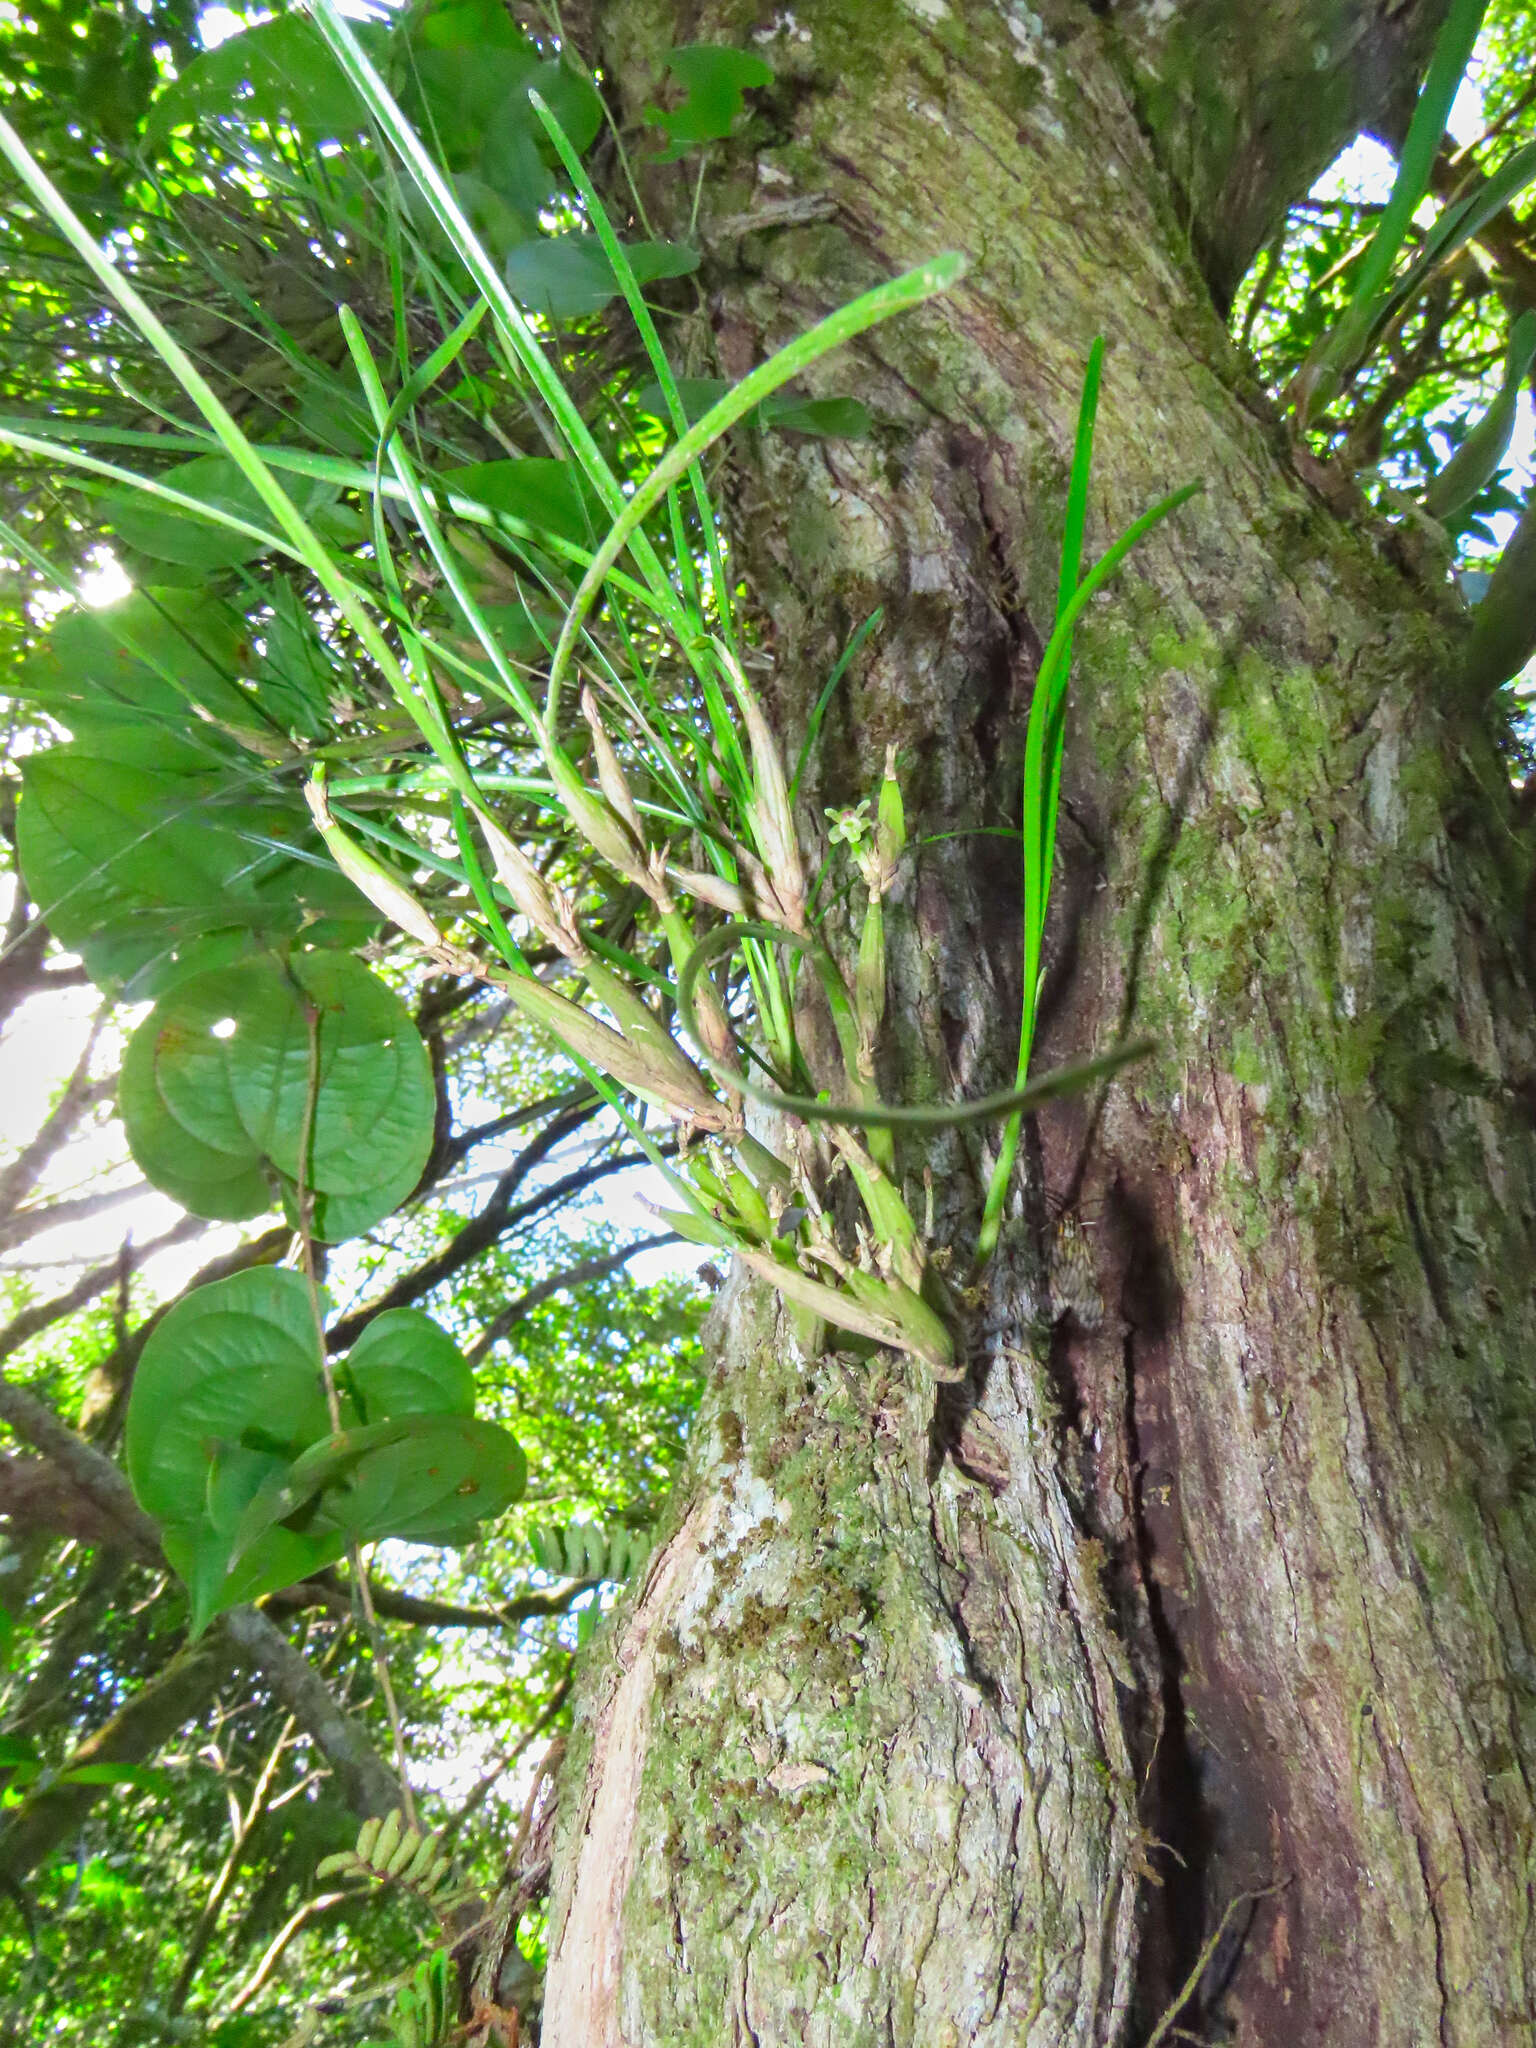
(1171, 1785)
(1020, 651)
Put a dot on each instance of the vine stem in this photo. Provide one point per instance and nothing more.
(363, 1613)
(875, 1116)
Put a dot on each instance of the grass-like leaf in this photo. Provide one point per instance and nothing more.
(1345, 345)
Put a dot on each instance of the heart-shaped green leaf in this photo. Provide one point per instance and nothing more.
(714, 78)
(354, 1211)
(209, 1182)
(405, 1364)
(199, 1555)
(443, 1472)
(465, 68)
(374, 1108)
(235, 1355)
(217, 1081)
(277, 70)
(138, 662)
(566, 277)
(534, 489)
(168, 533)
(288, 1492)
(229, 1444)
(237, 1474)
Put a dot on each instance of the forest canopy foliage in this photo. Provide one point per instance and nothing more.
(396, 834)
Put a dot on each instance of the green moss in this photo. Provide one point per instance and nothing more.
(1248, 1062)
(1430, 1564)
(1358, 1250)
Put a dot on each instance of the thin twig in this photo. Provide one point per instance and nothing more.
(242, 1821)
(495, 1221)
(296, 1920)
(1191, 1983)
(571, 1276)
(42, 1315)
(1261, 290)
(483, 1785)
(20, 1177)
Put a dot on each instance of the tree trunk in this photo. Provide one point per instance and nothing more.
(930, 1729)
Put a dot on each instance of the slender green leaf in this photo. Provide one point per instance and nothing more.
(940, 274)
(1476, 461)
(1339, 351)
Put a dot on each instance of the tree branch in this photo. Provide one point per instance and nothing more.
(19, 1178)
(22, 973)
(1228, 95)
(495, 1220)
(36, 1497)
(70, 1638)
(367, 1783)
(476, 1796)
(16, 1229)
(42, 1315)
(572, 1276)
(88, 1471)
(327, 1592)
(1506, 238)
(515, 1119)
(243, 1820)
(298, 1919)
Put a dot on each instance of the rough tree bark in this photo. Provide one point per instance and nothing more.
(924, 1731)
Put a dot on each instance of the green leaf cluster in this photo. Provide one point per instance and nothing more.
(566, 277)
(587, 1550)
(231, 1445)
(714, 79)
(158, 839)
(273, 72)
